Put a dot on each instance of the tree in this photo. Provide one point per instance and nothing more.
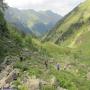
(3, 28)
(2, 5)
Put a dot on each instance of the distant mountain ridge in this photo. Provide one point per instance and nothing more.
(30, 21)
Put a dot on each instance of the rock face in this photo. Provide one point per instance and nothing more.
(8, 76)
(12, 76)
(10, 59)
(32, 83)
(53, 81)
(59, 88)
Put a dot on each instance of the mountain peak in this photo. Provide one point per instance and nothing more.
(30, 20)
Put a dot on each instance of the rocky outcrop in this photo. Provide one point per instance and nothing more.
(12, 76)
(60, 88)
(8, 77)
(32, 83)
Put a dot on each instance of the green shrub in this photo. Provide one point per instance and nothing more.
(21, 66)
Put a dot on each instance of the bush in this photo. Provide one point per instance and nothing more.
(21, 66)
(28, 42)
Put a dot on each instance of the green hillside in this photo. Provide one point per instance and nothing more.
(8, 44)
(71, 29)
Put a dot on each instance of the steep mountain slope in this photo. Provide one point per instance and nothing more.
(8, 44)
(74, 29)
(31, 21)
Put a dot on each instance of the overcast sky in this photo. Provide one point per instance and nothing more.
(61, 7)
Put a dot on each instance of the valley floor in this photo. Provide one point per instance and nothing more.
(38, 70)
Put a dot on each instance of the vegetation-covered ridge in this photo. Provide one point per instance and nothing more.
(72, 27)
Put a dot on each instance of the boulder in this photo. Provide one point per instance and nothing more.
(60, 88)
(12, 76)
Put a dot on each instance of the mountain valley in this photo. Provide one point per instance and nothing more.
(60, 60)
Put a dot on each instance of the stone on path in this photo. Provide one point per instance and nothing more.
(59, 88)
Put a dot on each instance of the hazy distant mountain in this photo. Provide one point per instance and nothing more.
(31, 21)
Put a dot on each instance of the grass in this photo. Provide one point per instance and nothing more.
(71, 78)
